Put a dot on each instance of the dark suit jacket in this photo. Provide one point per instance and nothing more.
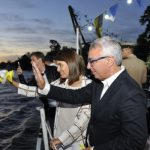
(118, 120)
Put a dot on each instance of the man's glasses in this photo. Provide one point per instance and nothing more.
(91, 61)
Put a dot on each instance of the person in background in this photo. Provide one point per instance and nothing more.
(118, 104)
(29, 89)
(134, 66)
(21, 77)
(50, 57)
(52, 73)
(38, 58)
(70, 120)
(45, 64)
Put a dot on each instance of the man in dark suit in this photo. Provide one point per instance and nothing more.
(118, 104)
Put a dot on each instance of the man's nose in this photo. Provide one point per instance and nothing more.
(88, 65)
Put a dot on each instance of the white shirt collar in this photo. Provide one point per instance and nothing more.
(111, 79)
(107, 82)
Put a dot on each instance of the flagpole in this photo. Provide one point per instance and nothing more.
(77, 40)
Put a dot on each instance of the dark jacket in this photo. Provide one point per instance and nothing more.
(118, 120)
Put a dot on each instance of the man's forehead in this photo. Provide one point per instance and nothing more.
(33, 57)
(95, 51)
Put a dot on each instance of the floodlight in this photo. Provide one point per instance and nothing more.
(129, 2)
(90, 28)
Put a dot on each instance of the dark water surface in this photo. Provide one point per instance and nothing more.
(19, 120)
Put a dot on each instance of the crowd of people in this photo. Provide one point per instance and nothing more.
(107, 112)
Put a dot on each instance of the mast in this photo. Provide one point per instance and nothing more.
(76, 25)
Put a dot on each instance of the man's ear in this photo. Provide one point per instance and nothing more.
(110, 61)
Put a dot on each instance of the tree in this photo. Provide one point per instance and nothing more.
(143, 41)
(54, 45)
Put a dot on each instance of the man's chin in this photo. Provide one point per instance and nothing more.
(95, 75)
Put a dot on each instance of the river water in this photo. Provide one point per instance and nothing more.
(19, 120)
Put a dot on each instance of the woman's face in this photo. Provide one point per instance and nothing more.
(62, 68)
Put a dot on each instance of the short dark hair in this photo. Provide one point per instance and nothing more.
(38, 55)
(50, 56)
(127, 46)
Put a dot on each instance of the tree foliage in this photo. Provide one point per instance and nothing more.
(143, 41)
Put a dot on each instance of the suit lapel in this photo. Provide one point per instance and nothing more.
(99, 105)
(113, 88)
(96, 98)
